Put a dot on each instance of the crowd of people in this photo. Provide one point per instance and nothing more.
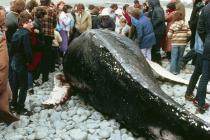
(34, 38)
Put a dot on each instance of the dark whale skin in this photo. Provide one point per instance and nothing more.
(109, 72)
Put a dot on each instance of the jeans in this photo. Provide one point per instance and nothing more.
(195, 75)
(30, 80)
(176, 57)
(201, 92)
(19, 82)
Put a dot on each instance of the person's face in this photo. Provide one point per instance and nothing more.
(2, 18)
(80, 10)
(60, 7)
(173, 0)
(122, 24)
(28, 25)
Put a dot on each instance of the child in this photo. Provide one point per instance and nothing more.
(21, 56)
(56, 45)
(178, 33)
(125, 28)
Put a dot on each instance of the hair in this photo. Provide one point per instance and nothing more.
(17, 6)
(65, 8)
(80, 6)
(59, 3)
(24, 17)
(135, 12)
(91, 7)
(45, 2)
(40, 12)
(171, 6)
(2, 8)
(31, 4)
(136, 2)
(95, 11)
(177, 16)
(123, 20)
(125, 7)
(114, 6)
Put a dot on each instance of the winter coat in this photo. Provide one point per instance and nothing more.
(21, 50)
(64, 21)
(95, 21)
(83, 22)
(157, 17)
(127, 17)
(203, 29)
(180, 8)
(145, 33)
(106, 23)
(179, 33)
(5, 91)
(11, 23)
(169, 20)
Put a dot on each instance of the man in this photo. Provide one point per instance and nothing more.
(204, 32)
(48, 25)
(83, 19)
(5, 91)
(157, 16)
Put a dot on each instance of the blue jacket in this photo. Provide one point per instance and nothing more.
(198, 44)
(21, 52)
(145, 34)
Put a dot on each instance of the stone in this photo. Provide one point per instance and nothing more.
(77, 134)
(59, 125)
(104, 134)
(41, 132)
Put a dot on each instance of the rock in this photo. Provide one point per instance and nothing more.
(104, 134)
(71, 103)
(37, 109)
(66, 137)
(41, 132)
(59, 125)
(77, 134)
(92, 125)
(56, 116)
(64, 116)
(31, 137)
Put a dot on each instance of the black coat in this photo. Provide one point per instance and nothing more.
(204, 30)
(157, 16)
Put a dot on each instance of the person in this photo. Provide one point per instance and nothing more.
(112, 10)
(65, 27)
(144, 28)
(94, 16)
(83, 19)
(30, 6)
(170, 11)
(197, 6)
(105, 21)
(126, 15)
(5, 91)
(48, 25)
(157, 16)
(178, 33)
(21, 53)
(191, 55)
(137, 4)
(119, 15)
(204, 32)
(125, 28)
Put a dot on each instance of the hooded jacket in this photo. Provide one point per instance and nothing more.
(21, 50)
(157, 17)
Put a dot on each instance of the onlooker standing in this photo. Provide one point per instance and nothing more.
(106, 22)
(171, 9)
(137, 4)
(119, 15)
(126, 15)
(157, 16)
(94, 16)
(48, 25)
(83, 19)
(21, 52)
(125, 28)
(204, 32)
(5, 91)
(145, 33)
(197, 6)
(178, 33)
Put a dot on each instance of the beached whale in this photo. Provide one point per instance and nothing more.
(109, 72)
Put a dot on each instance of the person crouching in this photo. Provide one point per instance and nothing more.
(21, 56)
